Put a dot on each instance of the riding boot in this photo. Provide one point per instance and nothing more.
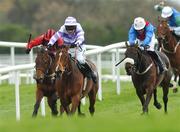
(89, 73)
(162, 66)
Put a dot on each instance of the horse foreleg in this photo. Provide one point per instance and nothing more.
(75, 102)
(140, 96)
(149, 93)
(53, 105)
(92, 100)
(39, 96)
(79, 110)
(156, 103)
(64, 107)
(165, 97)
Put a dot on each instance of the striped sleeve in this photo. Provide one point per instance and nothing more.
(80, 34)
(55, 37)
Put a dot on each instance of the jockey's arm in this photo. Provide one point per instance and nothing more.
(35, 42)
(149, 34)
(80, 38)
(54, 38)
(132, 36)
(148, 38)
(80, 35)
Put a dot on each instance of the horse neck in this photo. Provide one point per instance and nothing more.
(51, 66)
(144, 62)
(171, 40)
(71, 64)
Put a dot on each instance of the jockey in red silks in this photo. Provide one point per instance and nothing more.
(44, 40)
(142, 32)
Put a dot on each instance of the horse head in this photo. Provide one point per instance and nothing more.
(166, 38)
(162, 29)
(135, 59)
(62, 60)
(43, 63)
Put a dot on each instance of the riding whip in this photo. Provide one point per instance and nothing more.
(120, 61)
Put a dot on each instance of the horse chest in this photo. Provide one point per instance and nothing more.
(47, 90)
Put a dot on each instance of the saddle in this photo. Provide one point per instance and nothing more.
(79, 65)
(157, 59)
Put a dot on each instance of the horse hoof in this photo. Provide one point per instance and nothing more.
(33, 116)
(81, 114)
(175, 90)
(55, 114)
(158, 105)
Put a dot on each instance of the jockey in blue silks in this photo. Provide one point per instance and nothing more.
(73, 35)
(142, 32)
(173, 17)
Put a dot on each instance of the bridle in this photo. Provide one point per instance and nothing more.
(138, 63)
(164, 40)
(47, 71)
(60, 68)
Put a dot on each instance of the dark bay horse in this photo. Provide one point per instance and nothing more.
(170, 46)
(145, 76)
(70, 84)
(45, 81)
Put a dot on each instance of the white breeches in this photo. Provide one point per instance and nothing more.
(177, 31)
(78, 53)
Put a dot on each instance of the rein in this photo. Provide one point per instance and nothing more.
(146, 70)
(57, 67)
(171, 52)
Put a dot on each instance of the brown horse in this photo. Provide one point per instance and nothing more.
(145, 76)
(170, 46)
(45, 81)
(70, 85)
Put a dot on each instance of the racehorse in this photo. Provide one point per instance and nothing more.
(170, 46)
(45, 81)
(145, 76)
(70, 84)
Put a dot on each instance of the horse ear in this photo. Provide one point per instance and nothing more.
(136, 45)
(126, 43)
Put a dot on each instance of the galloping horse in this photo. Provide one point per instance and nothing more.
(169, 46)
(70, 84)
(145, 76)
(45, 81)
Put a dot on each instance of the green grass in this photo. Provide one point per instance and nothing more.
(115, 113)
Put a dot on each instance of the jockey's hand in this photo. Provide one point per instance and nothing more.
(49, 46)
(145, 46)
(78, 43)
(171, 29)
(27, 51)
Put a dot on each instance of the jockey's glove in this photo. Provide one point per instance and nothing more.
(78, 43)
(145, 46)
(49, 46)
(27, 51)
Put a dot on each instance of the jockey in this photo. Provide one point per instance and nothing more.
(142, 32)
(43, 40)
(173, 17)
(73, 35)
